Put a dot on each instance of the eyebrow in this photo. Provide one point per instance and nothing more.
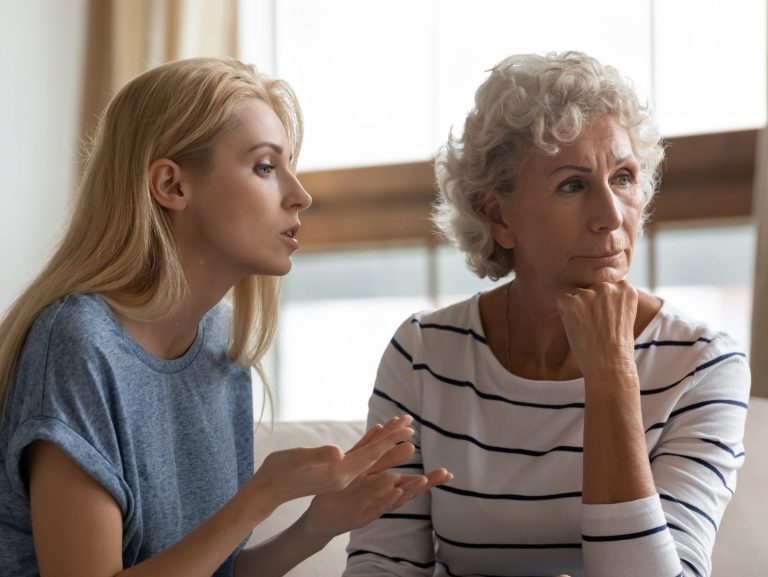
(586, 169)
(276, 147)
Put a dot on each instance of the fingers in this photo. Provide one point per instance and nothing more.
(379, 431)
(392, 458)
(359, 460)
(415, 485)
(412, 487)
(368, 437)
(439, 477)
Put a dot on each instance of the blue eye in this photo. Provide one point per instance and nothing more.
(263, 169)
(624, 179)
(571, 186)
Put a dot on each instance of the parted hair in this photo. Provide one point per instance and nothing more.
(530, 102)
(118, 242)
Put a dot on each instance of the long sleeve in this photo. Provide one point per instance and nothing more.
(399, 543)
(515, 447)
(695, 454)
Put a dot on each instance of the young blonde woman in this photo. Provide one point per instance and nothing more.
(125, 389)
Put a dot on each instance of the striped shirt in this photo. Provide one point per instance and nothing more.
(515, 447)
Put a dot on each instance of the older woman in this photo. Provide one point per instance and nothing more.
(592, 429)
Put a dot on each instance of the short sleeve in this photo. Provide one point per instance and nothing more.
(64, 392)
(83, 453)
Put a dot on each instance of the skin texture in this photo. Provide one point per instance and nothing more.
(572, 222)
(229, 221)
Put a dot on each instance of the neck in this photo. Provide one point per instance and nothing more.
(171, 336)
(537, 344)
(527, 336)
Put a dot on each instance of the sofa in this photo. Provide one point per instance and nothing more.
(742, 545)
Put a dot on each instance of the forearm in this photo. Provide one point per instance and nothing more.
(616, 465)
(203, 551)
(281, 553)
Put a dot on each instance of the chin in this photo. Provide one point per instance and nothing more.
(271, 269)
(609, 276)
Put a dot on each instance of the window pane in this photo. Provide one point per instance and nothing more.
(710, 65)
(473, 37)
(455, 281)
(708, 274)
(378, 87)
(363, 73)
(339, 312)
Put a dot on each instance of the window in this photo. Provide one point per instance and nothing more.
(339, 311)
(707, 272)
(384, 82)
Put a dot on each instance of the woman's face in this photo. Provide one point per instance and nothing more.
(242, 217)
(573, 218)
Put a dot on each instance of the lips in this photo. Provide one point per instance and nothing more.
(292, 232)
(607, 254)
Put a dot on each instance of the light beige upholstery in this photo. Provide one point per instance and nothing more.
(742, 544)
(741, 549)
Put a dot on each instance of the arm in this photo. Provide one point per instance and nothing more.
(628, 528)
(77, 525)
(599, 323)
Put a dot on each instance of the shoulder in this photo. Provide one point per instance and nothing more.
(219, 318)
(673, 328)
(73, 325)
(217, 327)
(676, 346)
(458, 317)
(443, 329)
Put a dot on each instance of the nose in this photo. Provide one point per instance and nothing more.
(298, 197)
(606, 213)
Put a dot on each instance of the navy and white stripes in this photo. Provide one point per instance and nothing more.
(515, 447)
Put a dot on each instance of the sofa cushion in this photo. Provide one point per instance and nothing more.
(741, 548)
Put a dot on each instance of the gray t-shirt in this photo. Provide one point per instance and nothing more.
(171, 441)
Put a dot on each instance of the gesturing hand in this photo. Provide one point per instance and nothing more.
(599, 322)
(294, 473)
(365, 499)
(372, 494)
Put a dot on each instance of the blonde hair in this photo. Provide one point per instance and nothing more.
(119, 242)
(530, 102)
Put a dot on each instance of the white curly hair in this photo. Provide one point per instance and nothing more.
(530, 101)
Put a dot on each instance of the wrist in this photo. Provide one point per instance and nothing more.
(612, 375)
(311, 533)
(617, 367)
(259, 498)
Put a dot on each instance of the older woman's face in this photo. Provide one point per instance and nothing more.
(573, 218)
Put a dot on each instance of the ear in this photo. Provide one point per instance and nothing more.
(165, 184)
(494, 212)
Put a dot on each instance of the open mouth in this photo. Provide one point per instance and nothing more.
(291, 232)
